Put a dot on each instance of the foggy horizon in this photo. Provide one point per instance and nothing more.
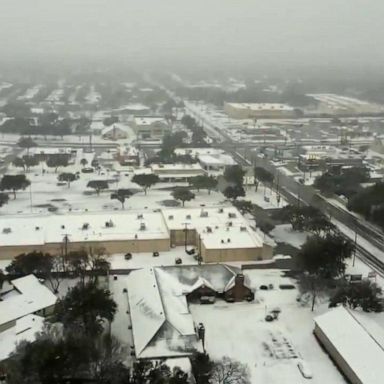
(198, 33)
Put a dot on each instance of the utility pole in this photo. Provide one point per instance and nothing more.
(354, 249)
(185, 235)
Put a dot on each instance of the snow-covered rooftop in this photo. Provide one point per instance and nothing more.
(217, 227)
(355, 342)
(25, 329)
(262, 106)
(140, 121)
(49, 151)
(30, 296)
(38, 230)
(162, 325)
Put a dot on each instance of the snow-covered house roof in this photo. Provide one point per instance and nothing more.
(162, 325)
(358, 343)
(114, 129)
(28, 297)
(25, 329)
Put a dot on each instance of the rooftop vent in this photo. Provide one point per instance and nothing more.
(222, 241)
(142, 226)
(209, 229)
(136, 237)
(109, 224)
(229, 224)
(62, 226)
(188, 217)
(37, 228)
(85, 226)
(221, 210)
(228, 240)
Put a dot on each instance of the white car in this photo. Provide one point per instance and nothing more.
(304, 369)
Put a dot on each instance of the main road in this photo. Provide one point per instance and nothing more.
(369, 239)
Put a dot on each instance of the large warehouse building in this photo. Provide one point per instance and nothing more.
(219, 234)
(258, 110)
(355, 342)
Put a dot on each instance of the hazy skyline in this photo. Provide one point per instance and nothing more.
(279, 32)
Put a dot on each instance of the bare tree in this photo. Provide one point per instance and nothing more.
(227, 371)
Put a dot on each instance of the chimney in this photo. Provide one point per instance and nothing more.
(239, 280)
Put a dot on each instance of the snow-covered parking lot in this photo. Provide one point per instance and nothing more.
(271, 350)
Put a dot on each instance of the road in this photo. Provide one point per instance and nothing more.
(296, 192)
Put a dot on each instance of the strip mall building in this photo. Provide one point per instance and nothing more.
(219, 234)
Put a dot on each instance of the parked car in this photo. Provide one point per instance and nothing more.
(207, 299)
(87, 170)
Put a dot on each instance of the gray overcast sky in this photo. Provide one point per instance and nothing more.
(310, 31)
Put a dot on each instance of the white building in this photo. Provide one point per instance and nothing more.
(355, 342)
(114, 132)
(150, 128)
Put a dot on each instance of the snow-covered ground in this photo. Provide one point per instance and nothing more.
(264, 197)
(270, 349)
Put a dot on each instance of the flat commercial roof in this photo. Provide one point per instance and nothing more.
(219, 228)
(360, 345)
(262, 106)
(39, 230)
(149, 120)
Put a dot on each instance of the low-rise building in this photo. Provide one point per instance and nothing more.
(355, 342)
(25, 296)
(177, 172)
(115, 232)
(162, 325)
(150, 128)
(219, 234)
(114, 132)
(258, 110)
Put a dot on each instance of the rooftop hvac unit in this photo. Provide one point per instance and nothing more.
(243, 229)
(222, 241)
(209, 229)
(63, 227)
(109, 224)
(142, 227)
(231, 215)
(228, 240)
(188, 217)
(37, 228)
(229, 224)
(85, 226)
(7, 230)
(204, 214)
(170, 217)
(221, 210)
(140, 216)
